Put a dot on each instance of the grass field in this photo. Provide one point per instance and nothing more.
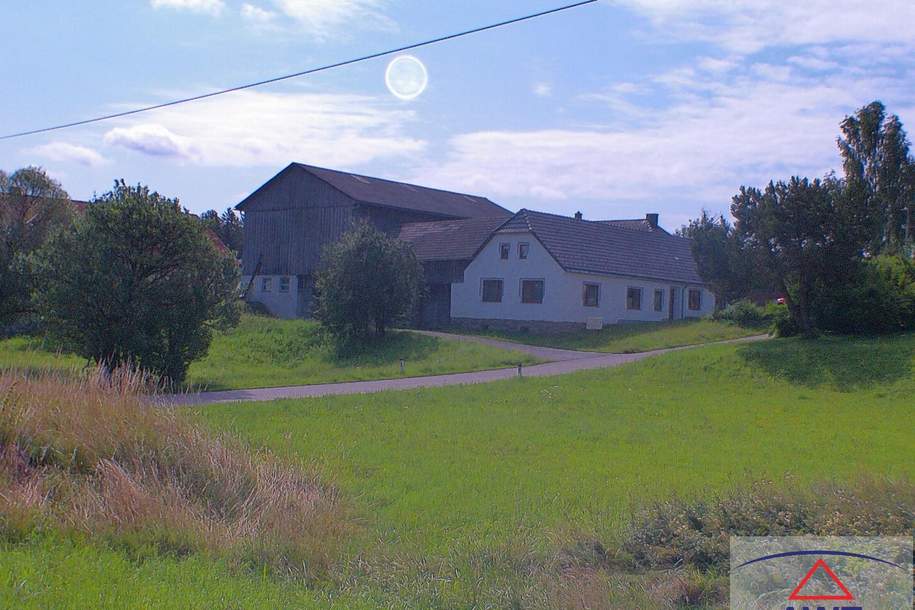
(264, 352)
(579, 451)
(483, 496)
(628, 338)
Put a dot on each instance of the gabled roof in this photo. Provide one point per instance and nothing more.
(635, 224)
(449, 239)
(388, 193)
(586, 246)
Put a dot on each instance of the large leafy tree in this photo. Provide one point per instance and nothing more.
(799, 233)
(880, 172)
(367, 282)
(32, 206)
(136, 280)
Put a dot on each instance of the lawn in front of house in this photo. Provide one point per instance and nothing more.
(504, 495)
(633, 337)
(267, 352)
(475, 467)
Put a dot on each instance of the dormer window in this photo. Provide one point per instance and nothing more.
(504, 251)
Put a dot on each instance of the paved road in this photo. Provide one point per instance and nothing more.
(589, 360)
(550, 354)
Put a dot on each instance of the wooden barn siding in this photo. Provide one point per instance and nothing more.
(290, 221)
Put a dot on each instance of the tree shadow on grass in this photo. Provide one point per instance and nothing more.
(845, 363)
(387, 350)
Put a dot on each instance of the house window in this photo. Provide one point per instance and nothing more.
(590, 296)
(695, 299)
(633, 298)
(284, 283)
(532, 291)
(492, 291)
(523, 249)
(267, 284)
(504, 250)
(659, 300)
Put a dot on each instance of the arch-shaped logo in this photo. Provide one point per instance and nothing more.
(862, 573)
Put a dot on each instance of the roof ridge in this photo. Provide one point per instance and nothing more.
(400, 182)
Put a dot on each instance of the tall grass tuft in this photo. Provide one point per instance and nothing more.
(92, 457)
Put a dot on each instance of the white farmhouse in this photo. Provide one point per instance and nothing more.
(543, 271)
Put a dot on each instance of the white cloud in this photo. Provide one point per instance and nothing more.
(257, 15)
(543, 89)
(747, 26)
(744, 127)
(323, 18)
(213, 7)
(64, 152)
(253, 128)
(151, 139)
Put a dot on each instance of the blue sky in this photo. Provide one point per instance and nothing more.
(615, 109)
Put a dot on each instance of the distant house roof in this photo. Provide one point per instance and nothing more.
(449, 239)
(605, 248)
(635, 224)
(388, 193)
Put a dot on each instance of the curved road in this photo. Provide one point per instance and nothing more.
(563, 361)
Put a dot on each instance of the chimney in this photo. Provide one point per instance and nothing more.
(652, 220)
(577, 215)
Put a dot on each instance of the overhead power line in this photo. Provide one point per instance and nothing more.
(338, 64)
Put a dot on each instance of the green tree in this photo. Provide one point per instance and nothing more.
(798, 231)
(721, 258)
(136, 280)
(232, 230)
(32, 207)
(367, 282)
(880, 172)
(228, 226)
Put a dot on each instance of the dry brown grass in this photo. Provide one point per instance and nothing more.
(92, 457)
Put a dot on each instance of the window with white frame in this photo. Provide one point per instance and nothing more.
(266, 284)
(491, 290)
(504, 251)
(532, 291)
(633, 298)
(659, 299)
(523, 249)
(590, 295)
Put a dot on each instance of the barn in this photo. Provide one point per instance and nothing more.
(294, 215)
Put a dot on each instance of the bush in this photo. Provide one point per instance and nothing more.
(742, 313)
(136, 279)
(880, 299)
(93, 459)
(782, 324)
(367, 282)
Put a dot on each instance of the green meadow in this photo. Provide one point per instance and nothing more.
(629, 338)
(267, 352)
(437, 467)
(501, 495)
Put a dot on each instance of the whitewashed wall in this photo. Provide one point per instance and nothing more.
(280, 304)
(562, 299)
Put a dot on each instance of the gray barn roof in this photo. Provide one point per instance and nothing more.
(388, 193)
(600, 247)
(449, 239)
